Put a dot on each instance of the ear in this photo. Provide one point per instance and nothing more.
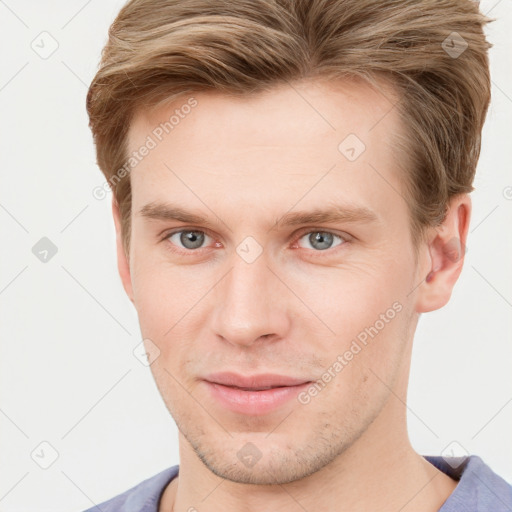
(123, 263)
(446, 248)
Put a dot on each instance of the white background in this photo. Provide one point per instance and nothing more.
(68, 374)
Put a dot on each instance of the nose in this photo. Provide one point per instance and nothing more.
(250, 304)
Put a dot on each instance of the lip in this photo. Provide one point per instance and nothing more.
(253, 381)
(225, 389)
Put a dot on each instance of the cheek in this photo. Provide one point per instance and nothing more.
(163, 293)
(350, 298)
(366, 310)
(154, 302)
(361, 370)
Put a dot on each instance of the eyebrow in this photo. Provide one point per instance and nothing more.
(164, 211)
(332, 214)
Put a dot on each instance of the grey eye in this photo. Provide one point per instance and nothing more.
(321, 240)
(188, 239)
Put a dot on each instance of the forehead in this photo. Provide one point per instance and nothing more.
(265, 141)
(320, 105)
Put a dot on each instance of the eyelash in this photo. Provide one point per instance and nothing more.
(345, 238)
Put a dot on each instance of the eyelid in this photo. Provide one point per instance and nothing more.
(168, 233)
(165, 237)
(343, 235)
(295, 237)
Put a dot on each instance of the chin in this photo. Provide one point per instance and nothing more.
(258, 460)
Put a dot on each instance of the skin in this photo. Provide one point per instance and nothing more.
(243, 163)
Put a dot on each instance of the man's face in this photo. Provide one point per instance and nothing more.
(320, 290)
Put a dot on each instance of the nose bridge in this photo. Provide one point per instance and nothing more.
(245, 308)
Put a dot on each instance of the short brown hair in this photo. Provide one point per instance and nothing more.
(433, 52)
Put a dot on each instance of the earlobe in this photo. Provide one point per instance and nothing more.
(123, 263)
(446, 248)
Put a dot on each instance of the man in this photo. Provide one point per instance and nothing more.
(290, 192)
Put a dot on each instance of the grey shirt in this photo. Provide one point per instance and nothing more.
(479, 489)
